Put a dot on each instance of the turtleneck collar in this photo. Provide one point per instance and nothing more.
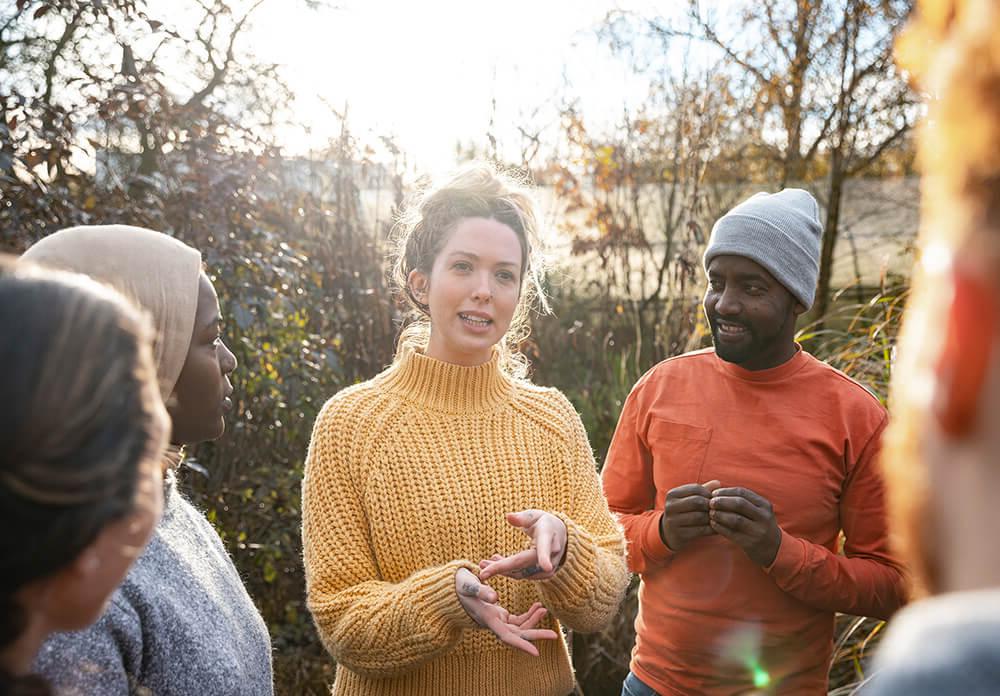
(772, 374)
(446, 387)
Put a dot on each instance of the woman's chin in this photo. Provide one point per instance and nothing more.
(478, 354)
(217, 430)
(482, 343)
(220, 430)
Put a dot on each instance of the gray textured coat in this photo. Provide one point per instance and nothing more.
(949, 644)
(180, 624)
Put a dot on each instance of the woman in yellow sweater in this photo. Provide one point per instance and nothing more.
(452, 513)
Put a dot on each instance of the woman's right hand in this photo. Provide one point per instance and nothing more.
(480, 602)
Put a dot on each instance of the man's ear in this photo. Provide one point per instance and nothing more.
(962, 367)
(799, 309)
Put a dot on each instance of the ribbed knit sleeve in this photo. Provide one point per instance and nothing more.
(375, 628)
(586, 592)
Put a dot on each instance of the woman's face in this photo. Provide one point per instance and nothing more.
(472, 291)
(202, 393)
(119, 544)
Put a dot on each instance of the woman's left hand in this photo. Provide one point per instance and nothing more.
(542, 560)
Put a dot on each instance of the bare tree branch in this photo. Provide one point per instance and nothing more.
(889, 141)
(219, 71)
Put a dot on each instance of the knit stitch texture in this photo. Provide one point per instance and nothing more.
(407, 480)
(180, 624)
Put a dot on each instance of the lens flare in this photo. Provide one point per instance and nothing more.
(760, 677)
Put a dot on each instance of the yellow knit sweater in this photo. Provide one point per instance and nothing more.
(408, 478)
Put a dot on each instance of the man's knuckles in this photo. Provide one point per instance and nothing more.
(730, 520)
(733, 504)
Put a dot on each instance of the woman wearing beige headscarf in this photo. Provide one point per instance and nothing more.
(182, 622)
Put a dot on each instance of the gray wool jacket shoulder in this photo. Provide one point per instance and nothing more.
(181, 623)
(949, 644)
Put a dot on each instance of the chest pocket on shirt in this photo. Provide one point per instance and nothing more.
(679, 452)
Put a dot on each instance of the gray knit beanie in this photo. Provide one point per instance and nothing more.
(780, 231)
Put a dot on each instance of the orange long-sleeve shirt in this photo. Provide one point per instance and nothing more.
(804, 436)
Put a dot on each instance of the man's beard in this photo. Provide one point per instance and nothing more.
(736, 354)
(746, 351)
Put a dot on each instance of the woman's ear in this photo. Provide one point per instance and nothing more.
(70, 598)
(419, 284)
(962, 366)
(87, 564)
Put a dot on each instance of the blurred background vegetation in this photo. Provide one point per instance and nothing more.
(178, 137)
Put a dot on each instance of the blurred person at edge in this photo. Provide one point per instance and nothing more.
(82, 430)
(182, 621)
(445, 466)
(734, 470)
(943, 450)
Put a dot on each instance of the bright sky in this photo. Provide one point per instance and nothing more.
(427, 71)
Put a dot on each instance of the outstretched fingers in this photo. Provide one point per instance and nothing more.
(530, 618)
(523, 519)
(521, 565)
(516, 636)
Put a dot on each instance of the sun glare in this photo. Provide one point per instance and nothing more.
(436, 74)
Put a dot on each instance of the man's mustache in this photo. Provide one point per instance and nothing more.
(714, 319)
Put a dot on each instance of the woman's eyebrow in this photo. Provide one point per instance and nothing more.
(475, 257)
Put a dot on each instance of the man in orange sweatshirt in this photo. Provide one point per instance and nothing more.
(734, 469)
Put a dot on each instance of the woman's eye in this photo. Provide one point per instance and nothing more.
(505, 276)
(463, 266)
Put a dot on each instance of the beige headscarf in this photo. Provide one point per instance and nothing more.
(157, 272)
